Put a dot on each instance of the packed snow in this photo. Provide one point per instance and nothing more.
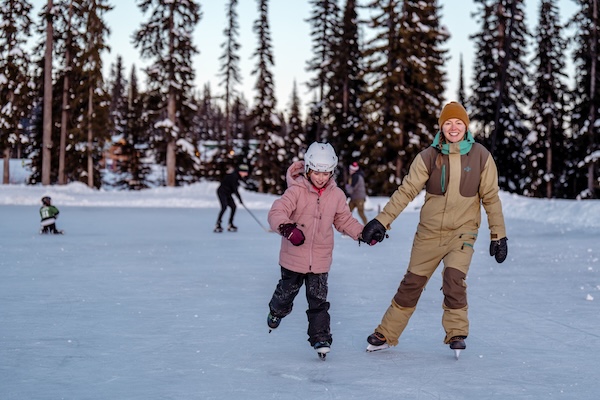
(141, 300)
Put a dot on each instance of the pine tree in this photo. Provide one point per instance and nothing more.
(586, 114)
(136, 170)
(408, 80)
(62, 97)
(545, 146)
(46, 158)
(15, 79)
(266, 125)
(69, 52)
(347, 88)
(96, 119)
(118, 110)
(295, 137)
(166, 37)
(460, 94)
(230, 70)
(501, 87)
(325, 28)
(384, 54)
(424, 77)
(118, 98)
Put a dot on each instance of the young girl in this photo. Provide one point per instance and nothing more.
(304, 216)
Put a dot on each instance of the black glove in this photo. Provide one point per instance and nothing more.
(373, 232)
(499, 249)
(292, 233)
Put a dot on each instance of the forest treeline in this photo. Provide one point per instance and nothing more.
(377, 82)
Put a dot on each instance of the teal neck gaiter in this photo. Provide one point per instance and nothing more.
(465, 144)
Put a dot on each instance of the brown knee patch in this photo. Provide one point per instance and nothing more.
(410, 290)
(454, 288)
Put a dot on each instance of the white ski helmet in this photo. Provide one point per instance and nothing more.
(320, 157)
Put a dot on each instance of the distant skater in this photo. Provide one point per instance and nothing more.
(49, 213)
(229, 187)
(357, 191)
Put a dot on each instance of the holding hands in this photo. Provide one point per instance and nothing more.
(373, 232)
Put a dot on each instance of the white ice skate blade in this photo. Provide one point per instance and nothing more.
(457, 353)
(323, 350)
(371, 348)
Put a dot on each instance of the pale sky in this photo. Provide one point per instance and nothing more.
(291, 41)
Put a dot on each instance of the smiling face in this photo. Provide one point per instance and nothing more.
(319, 179)
(454, 130)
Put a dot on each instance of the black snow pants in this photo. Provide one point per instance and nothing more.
(316, 294)
(226, 200)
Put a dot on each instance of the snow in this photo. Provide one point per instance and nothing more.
(141, 300)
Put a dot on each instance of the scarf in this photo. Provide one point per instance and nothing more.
(464, 147)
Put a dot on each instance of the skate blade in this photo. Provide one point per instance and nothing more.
(457, 353)
(322, 352)
(371, 348)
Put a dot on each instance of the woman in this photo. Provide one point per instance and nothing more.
(459, 176)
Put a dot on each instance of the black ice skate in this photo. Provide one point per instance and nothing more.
(322, 349)
(232, 228)
(218, 228)
(273, 322)
(457, 343)
(377, 342)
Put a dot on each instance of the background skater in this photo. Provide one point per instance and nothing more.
(228, 188)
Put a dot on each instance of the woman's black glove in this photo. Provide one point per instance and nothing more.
(499, 249)
(373, 232)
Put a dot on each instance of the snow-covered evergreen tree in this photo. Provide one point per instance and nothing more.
(460, 93)
(295, 137)
(346, 90)
(501, 88)
(586, 114)
(383, 55)
(166, 39)
(545, 146)
(407, 81)
(15, 77)
(270, 174)
(230, 68)
(325, 30)
(96, 110)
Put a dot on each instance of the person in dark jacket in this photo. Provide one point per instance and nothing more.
(48, 214)
(357, 191)
(228, 188)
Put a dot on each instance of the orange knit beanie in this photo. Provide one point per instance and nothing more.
(453, 110)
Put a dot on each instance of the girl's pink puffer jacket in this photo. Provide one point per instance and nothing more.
(316, 216)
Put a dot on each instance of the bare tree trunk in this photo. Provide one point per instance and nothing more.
(90, 137)
(171, 148)
(593, 100)
(171, 114)
(6, 173)
(47, 118)
(65, 105)
(549, 172)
